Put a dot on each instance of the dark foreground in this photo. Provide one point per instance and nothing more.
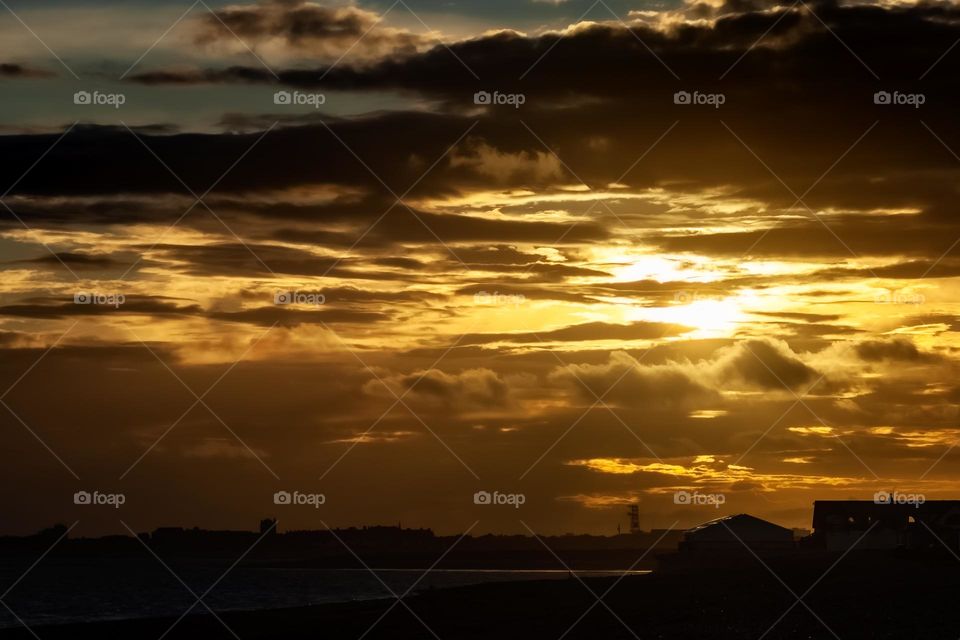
(865, 595)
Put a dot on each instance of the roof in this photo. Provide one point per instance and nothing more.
(828, 513)
(743, 526)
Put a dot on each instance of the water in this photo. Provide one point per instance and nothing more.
(78, 591)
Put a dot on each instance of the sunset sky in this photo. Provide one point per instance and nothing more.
(597, 297)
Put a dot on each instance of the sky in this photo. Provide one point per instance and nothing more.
(397, 253)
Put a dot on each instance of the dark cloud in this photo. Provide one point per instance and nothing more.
(813, 336)
(135, 305)
(269, 316)
(307, 28)
(51, 309)
(12, 70)
(582, 332)
(827, 237)
(497, 254)
(525, 291)
(804, 317)
(265, 260)
(951, 321)
(402, 225)
(473, 388)
(899, 349)
(767, 365)
(74, 260)
(599, 116)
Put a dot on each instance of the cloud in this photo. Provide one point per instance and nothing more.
(504, 167)
(771, 59)
(754, 364)
(309, 29)
(469, 389)
(158, 307)
(10, 70)
(897, 350)
(605, 261)
(75, 260)
(698, 474)
(588, 331)
(763, 364)
(624, 380)
(45, 308)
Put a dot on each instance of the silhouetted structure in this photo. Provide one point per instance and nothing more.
(378, 545)
(838, 524)
(730, 541)
(634, 514)
(732, 533)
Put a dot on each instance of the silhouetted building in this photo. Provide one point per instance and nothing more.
(839, 524)
(268, 526)
(732, 533)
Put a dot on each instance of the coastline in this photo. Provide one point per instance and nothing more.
(315, 587)
(895, 593)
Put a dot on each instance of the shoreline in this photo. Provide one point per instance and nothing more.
(557, 574)
(864, 595)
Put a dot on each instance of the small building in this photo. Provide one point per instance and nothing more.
(733, 533)
(268, 526)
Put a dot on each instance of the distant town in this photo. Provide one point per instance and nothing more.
(836, 526)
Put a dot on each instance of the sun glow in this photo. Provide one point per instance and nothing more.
(711, 318)
(662, 268)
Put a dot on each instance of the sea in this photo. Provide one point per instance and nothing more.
(69, 591)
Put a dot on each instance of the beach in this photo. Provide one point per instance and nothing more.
(861, 595)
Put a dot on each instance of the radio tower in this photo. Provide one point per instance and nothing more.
(634, 514)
